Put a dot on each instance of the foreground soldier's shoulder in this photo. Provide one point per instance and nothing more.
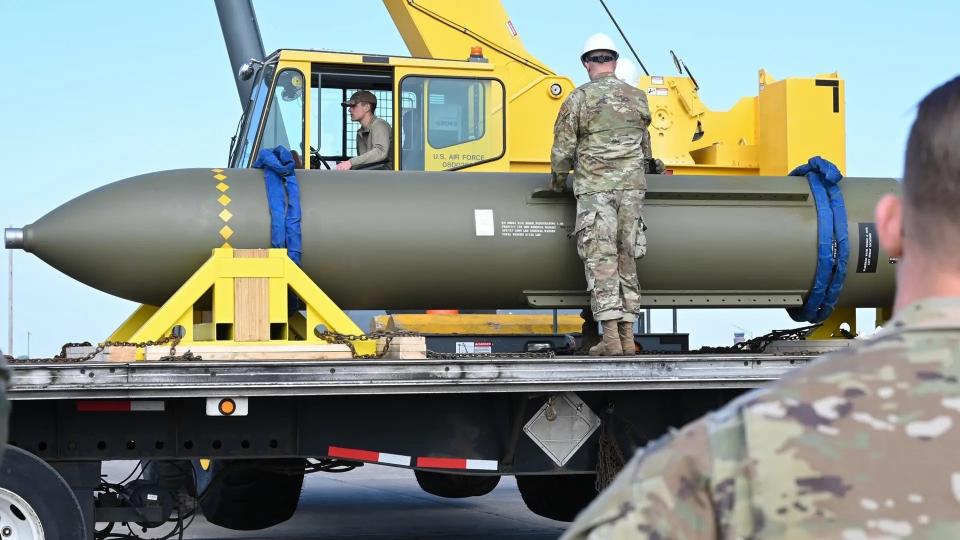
(853, 385)
(662, 490)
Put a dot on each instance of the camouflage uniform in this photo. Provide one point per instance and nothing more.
(601, 133)
(859, 445)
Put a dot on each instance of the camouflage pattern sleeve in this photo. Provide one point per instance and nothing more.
(645, 144)
(645, 110)
(564, 150)
(664, 492)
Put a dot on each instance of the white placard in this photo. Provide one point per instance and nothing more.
(484, 222)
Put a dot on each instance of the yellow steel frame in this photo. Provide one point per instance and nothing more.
(218, 276)
(831, 327)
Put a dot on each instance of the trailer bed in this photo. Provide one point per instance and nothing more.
(106, 380)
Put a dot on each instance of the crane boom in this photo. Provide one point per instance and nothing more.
(241, 34)
(446, 30)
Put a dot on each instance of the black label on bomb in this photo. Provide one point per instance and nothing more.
(867, 260)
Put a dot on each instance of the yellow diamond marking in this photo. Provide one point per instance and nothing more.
(220, 176)
(226, 232)
(226, 245)
(225, 215)
(217, 170)
(222, 187)
(223, 199)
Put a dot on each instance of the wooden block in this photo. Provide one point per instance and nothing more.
(404, 347)
(256, 352)
(404, 355)
(81, 351)
(251, 302)
(121, 354)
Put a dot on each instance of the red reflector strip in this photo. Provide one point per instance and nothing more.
(119, 406)
(103, 406)
(366, 455)
(405, 461)
(457, 463)
(441, 463)
(350, 453)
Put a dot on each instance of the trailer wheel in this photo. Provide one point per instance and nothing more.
(557, 496)
(176, 475)
(247, 495)
(455, 486)
(36, 503)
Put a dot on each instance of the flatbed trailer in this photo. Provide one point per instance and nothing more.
(461, 423)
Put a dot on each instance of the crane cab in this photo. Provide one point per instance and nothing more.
(444, 114)
(485, 116)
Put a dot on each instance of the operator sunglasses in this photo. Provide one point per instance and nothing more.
(600, 58)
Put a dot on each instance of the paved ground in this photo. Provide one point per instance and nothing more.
(385, 502)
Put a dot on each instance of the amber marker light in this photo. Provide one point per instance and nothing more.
(227, 406)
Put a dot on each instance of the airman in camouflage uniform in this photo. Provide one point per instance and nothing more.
(859, 445)
(601, 133)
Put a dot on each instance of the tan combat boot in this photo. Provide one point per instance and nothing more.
(626, 338)
(610, 344)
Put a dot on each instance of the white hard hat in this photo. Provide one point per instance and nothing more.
(599, 42)
(627, 72)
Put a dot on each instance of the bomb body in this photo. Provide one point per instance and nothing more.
(414, 240)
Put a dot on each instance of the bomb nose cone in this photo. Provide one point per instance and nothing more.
(13, 238)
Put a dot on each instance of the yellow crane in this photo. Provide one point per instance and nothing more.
(753, 138)
(473, 97)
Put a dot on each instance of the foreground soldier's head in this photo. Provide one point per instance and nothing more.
(922, 228)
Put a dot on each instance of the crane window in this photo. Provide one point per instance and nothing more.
(450, 123)
(253, 115)
(284, 125)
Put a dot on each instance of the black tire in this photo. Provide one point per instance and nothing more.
(456, 486)
(557, 496)
(45, 491)
(174, 474)
(248, 495)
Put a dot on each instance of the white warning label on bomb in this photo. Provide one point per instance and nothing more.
(529, 229)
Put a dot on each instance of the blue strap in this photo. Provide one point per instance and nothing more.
(283, 199)
(833, 245)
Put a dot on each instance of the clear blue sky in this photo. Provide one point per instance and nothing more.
(97, 91)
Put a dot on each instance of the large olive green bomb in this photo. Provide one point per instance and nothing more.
(413, 240)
